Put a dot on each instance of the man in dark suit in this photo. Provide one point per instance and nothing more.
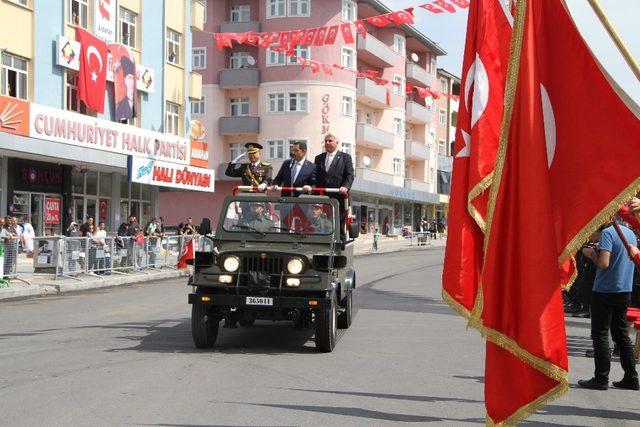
(334, 169)
(296, 171)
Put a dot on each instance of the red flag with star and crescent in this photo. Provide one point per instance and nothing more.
(479, 117)
(92, 78)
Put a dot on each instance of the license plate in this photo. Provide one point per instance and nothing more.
(259, 301)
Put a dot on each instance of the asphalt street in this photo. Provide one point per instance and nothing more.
(124, 356)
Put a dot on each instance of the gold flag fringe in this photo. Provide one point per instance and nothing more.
(532, 407)
(567, 286)
(480, 188)
(455, 305)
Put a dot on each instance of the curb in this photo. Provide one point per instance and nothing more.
(55, 287)
(403, 249)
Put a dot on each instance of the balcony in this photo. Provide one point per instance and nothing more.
(417, 185)
(416, 75)
(371, 136)
(417, 114)
(370, 93)
(374, 52)
(445, 163)
(240, 78)
(414, 150)
(240, 125)
(239, 27)
(372, 175)
(197, 15)
(195, 86)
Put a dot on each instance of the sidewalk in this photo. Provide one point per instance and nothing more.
(30, 284)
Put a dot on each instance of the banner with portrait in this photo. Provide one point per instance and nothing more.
(124, 82)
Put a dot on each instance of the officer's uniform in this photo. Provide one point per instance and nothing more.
(321, 223)
(259, 222)
(251, 174)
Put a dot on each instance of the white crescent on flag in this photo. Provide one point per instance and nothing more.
(549, 124)
(93, 51)
(478, 78)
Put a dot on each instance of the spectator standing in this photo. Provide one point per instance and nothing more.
(376, 236)
(28, 235)
(84, 228)
(189, 228)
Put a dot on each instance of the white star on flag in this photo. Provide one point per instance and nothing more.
(94, 76)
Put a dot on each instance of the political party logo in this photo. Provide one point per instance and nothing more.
(68, 52)
(196, 130)
(145, 170)
(147, 79)
(14, 116)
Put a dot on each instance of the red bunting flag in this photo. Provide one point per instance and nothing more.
(408, 89)
(284, 39)
(431, 8)
(434, 94)
(315, 67)
(303, 63)
(296, 37)
(402, 16)
(332, 33)
(222, 40)
(423, 92)
(378, 21)
(320, 36)
(308, 37)
(243, 37)
(328, 70)
(462, 4)
(92, 78)
(253, 38)
(362, 28)
(347, 33)
(445, 5)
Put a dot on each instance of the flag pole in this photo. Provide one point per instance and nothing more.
(625, 242)
(624, 50)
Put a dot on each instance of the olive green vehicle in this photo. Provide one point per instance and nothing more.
(275, 258)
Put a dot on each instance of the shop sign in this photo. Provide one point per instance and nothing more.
(68, 56)
(104, 15)
(165, 174)
(199, 154)
(52, 210)
(85, 131)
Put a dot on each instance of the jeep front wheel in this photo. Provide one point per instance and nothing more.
(327, 326)
(204, 326)
(344, 320)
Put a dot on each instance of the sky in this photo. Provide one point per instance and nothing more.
(449, 31)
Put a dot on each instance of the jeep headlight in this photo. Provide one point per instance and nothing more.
(295, 266)
(231, 263)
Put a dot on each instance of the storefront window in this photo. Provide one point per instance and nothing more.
(124, 211)
(92, 183)
(77, 182)
(105, 184)
(135, 190)
(124, 187)
(146, 192)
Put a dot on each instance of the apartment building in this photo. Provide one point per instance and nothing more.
(252, 94)
(447, 110)
(60, 161)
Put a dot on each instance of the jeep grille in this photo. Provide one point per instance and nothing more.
(269, 265)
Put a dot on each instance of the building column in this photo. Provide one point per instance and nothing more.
(4, 185)
(114, 209)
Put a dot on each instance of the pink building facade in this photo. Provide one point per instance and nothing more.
(255, 95)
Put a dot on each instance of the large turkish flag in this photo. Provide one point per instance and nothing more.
(92, 78)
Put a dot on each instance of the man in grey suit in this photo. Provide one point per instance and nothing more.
(334, 169)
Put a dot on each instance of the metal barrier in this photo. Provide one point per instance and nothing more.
(9, 258)
(423, 238)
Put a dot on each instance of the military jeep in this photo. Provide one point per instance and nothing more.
(275, 258)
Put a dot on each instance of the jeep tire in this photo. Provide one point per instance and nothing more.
(344, 320)
(204, 326)
(326, 326)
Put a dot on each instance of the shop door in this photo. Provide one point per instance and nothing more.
(371, 220)
(78, 210)
(37, 214)
(91, 209)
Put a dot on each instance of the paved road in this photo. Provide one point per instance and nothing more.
(124, 356)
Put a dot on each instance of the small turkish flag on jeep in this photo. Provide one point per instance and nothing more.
(187, 253)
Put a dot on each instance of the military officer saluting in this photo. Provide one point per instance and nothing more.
(256, 172)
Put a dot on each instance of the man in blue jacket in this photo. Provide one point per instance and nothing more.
(296, 171)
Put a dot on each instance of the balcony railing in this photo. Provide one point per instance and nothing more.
(370, 93)
(240, 78)
(414, 150)
(373, 137)
(239, 27)
(374, 52)
(239, 125)
(417, 185)
(445, 163)
(374, 176)
(418, 114)
(416, 75)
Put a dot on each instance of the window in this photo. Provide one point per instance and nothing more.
(22, 2)
(399, 44)
(298, 101)
(290, 142)
(239, 60)
(399, 89)
(204, 6)
(454, 119)
(171, 118)
(71, 86)
(235, 150)
(77, 13)
(432, 174)
(347, 147)
(346, 107)
(199, 58)
(275, 58)
(173, 47)
(299, 51)
(276, 149)
(275, 8)
(197, 107)
(444, 86)
(14, 76)
(299, 8)
(442, 116)
(128, 22)
(239, 107)
(442, 147)
(348, 58)
(348, 10)
(275, 103)
(240, 13)
(433, 64)
(398, 126)
(398, 166)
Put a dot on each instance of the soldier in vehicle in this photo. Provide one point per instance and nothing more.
(256, 172)
(319, 221)
(257, 219)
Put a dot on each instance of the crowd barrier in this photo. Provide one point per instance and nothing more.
(9, 258)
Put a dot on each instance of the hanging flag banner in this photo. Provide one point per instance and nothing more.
(92, 77)
(124, 82)
(165, 174)
(104, 16)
